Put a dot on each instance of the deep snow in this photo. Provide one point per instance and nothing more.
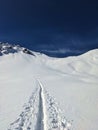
(72, 81)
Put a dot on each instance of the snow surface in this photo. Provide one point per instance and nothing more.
(64, 88)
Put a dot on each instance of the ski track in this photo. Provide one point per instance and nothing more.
(40, 116)
(41, 113)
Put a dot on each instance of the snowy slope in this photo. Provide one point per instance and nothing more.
(28, 81)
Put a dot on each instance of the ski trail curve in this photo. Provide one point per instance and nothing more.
(41, 118)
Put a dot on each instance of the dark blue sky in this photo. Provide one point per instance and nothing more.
(65, 27)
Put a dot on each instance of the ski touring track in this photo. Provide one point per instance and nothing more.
(41, 118)
(41, 113)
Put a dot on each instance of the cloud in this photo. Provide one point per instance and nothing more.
(63, 51)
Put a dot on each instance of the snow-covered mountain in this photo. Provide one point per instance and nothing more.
(6, 48)
(38, 92)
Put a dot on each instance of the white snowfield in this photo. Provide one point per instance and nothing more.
(38, 92)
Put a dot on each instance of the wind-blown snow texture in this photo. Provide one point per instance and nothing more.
(38, 92)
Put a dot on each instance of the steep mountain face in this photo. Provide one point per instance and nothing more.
(38, 92)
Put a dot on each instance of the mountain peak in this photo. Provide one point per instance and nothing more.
(6, 48)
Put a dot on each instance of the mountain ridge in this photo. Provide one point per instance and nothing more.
(7, 48)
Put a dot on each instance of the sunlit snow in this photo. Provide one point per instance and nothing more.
(70, 90)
